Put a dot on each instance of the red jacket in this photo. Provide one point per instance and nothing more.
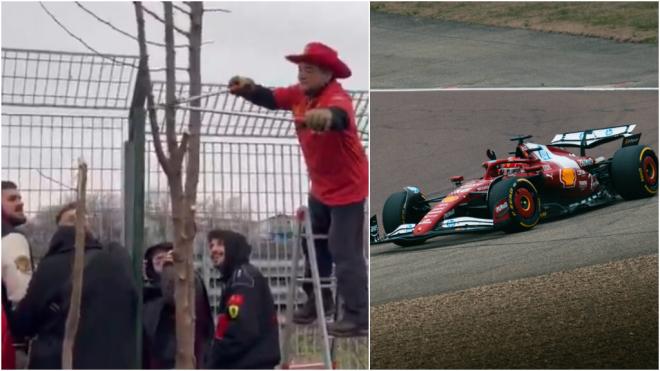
(336, 161)
(8, 353)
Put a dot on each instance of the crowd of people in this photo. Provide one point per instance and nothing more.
(35, 302)
(245, 335)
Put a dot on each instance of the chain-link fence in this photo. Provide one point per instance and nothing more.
(60, 106)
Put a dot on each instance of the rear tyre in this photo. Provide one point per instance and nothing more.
(634, 172)
(394, 214)
(514, 204)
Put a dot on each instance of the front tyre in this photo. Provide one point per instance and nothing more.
(397, 212)
(514, 204)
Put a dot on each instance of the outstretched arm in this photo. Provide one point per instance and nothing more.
(257, 94)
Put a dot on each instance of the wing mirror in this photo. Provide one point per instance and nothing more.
(491, 154)
(457, 180)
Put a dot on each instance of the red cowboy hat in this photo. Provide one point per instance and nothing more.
(322, 55)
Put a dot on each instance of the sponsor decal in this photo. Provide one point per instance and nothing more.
(543, 154)
(233, 311)
(451, 223)
(585, 162)
(23, 264)
(450, 198)
(503, 205)
(609, 131)
(510, 201)
(568, 177)
(233, 305)
(631, 140)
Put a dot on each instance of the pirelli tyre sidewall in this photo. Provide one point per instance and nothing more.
(634, 172)
(394, 216)
(514, 204)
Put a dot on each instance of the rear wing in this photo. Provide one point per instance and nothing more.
(595, 137)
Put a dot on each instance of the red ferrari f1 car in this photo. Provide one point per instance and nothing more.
(516, 192)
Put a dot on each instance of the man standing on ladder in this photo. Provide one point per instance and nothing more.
(338, 170)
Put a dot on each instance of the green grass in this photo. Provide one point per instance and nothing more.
(622, 21)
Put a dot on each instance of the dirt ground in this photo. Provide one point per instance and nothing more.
(598, 317)
(621, 21)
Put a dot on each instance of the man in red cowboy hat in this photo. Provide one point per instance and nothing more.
(338, 170)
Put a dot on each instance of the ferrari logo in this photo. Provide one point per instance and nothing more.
(23, 264)
(233, 311)
(568, 177)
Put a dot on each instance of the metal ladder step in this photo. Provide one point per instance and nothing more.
(328, 341)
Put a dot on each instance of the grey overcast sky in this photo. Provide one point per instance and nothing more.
(251, 40)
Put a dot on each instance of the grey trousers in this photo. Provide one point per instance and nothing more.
(344, 226)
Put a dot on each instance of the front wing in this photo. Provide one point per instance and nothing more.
(450, 226)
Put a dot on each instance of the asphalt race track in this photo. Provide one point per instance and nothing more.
(409, 52)
(423, 138)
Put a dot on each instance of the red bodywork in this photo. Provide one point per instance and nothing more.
(562, 172)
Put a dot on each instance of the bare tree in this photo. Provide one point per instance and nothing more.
(73, 316)
(183, 195)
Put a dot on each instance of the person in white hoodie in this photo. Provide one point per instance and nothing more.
(17, 263)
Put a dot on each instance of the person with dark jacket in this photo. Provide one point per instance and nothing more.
(159, 317)
(247, 333)
(106, 337)
(338, 169)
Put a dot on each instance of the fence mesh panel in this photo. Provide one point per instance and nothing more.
(60, 106)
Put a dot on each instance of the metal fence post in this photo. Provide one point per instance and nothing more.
(134, 199)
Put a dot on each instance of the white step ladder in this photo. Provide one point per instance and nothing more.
(304, 232)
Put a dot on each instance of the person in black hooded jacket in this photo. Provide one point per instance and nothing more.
(159, 350)
(106, 337)
(247, 333)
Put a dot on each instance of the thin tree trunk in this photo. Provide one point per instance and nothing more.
(181, 218)
(73, 316)
(183, 200)
(186, 233)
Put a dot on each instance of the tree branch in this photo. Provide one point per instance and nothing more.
(181, 151)
(217, 10)
(81, 40)
(198, 97)
(55, 181)
(144, 70)
(170, 80)
(208, 10)
(73, 315)
(127, 34)
(158, 18)
(195, 89)
(181, 9)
